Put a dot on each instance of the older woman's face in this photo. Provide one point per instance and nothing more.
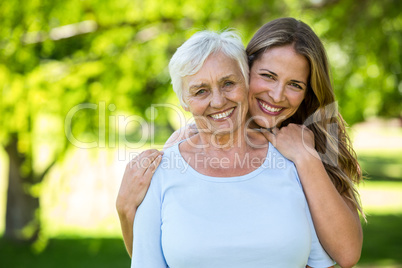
(216, 95)
(278, 85)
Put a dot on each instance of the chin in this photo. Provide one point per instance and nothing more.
(264, 123)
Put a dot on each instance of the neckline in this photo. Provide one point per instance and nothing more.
(232, 179)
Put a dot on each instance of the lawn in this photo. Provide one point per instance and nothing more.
(66, 252)
(382, 248)
(382, 243)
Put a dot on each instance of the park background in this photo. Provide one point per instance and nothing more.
(78, 79)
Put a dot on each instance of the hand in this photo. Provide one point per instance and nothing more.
(136, 180)
(293, 141)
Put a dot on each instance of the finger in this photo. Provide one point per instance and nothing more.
(275, 131)
(134, 162)
(155, 164)
(143, 161)
(307, 130)
(269, 136)
(147, 161)
(143, 153)
(149, 152)
(152, 168)
(151, 158)
(303, 127)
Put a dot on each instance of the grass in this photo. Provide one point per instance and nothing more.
(382, 245)
(66, 252)
(381, 195)
(382, 248)
(381, 165)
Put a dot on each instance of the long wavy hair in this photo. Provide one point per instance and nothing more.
(318, 111)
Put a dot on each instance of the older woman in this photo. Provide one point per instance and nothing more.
(217, 199)
(290, 86)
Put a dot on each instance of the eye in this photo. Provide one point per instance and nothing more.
(270, 76)
(228, 84)
(200, 92)
(296, 85)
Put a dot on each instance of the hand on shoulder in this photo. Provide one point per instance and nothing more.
(293, 141)
(136, 180)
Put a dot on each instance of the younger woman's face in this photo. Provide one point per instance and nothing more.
(278, 85)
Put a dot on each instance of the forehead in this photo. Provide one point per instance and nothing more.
(215, 67)
(284, 61)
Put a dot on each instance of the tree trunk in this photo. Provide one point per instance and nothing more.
(22, 223)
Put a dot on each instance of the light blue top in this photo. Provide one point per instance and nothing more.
(189, 220)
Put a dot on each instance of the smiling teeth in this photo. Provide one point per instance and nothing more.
(270, 108)
(222, 115)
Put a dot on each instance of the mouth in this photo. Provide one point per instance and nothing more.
(269, 108)
(222, 115)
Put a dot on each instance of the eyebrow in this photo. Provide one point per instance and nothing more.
(297, 81)
(227, 77)
(293, 80)
(197, 86)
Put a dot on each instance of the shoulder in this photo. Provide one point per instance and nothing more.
(181, 134)
(169, 154)
(172, 162)
(279, 163)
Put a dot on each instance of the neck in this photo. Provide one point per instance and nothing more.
(224, 142)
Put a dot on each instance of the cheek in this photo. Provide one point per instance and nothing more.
(243, 95)
(196, 107)
(244, 100)
(257, 86)
(296, 99)
(252, 91)
(239, 94)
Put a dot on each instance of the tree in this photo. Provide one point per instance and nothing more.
(363, 39)
(102, 57)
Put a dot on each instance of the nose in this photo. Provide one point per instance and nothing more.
(277, 92)
(218, 99)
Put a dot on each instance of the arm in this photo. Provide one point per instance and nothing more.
(136, 181)
(147, 245)
(335, 218)
(318, 257)
(134, 185)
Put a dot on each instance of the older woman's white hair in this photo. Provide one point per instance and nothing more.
(190, 57)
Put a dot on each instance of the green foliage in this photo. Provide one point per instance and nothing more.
(55, 55)
(112, 56)
(363, 41)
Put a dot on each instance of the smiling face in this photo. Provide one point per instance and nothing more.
(278, 85)
(216, 95)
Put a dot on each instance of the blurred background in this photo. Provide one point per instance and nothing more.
(81, 86)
